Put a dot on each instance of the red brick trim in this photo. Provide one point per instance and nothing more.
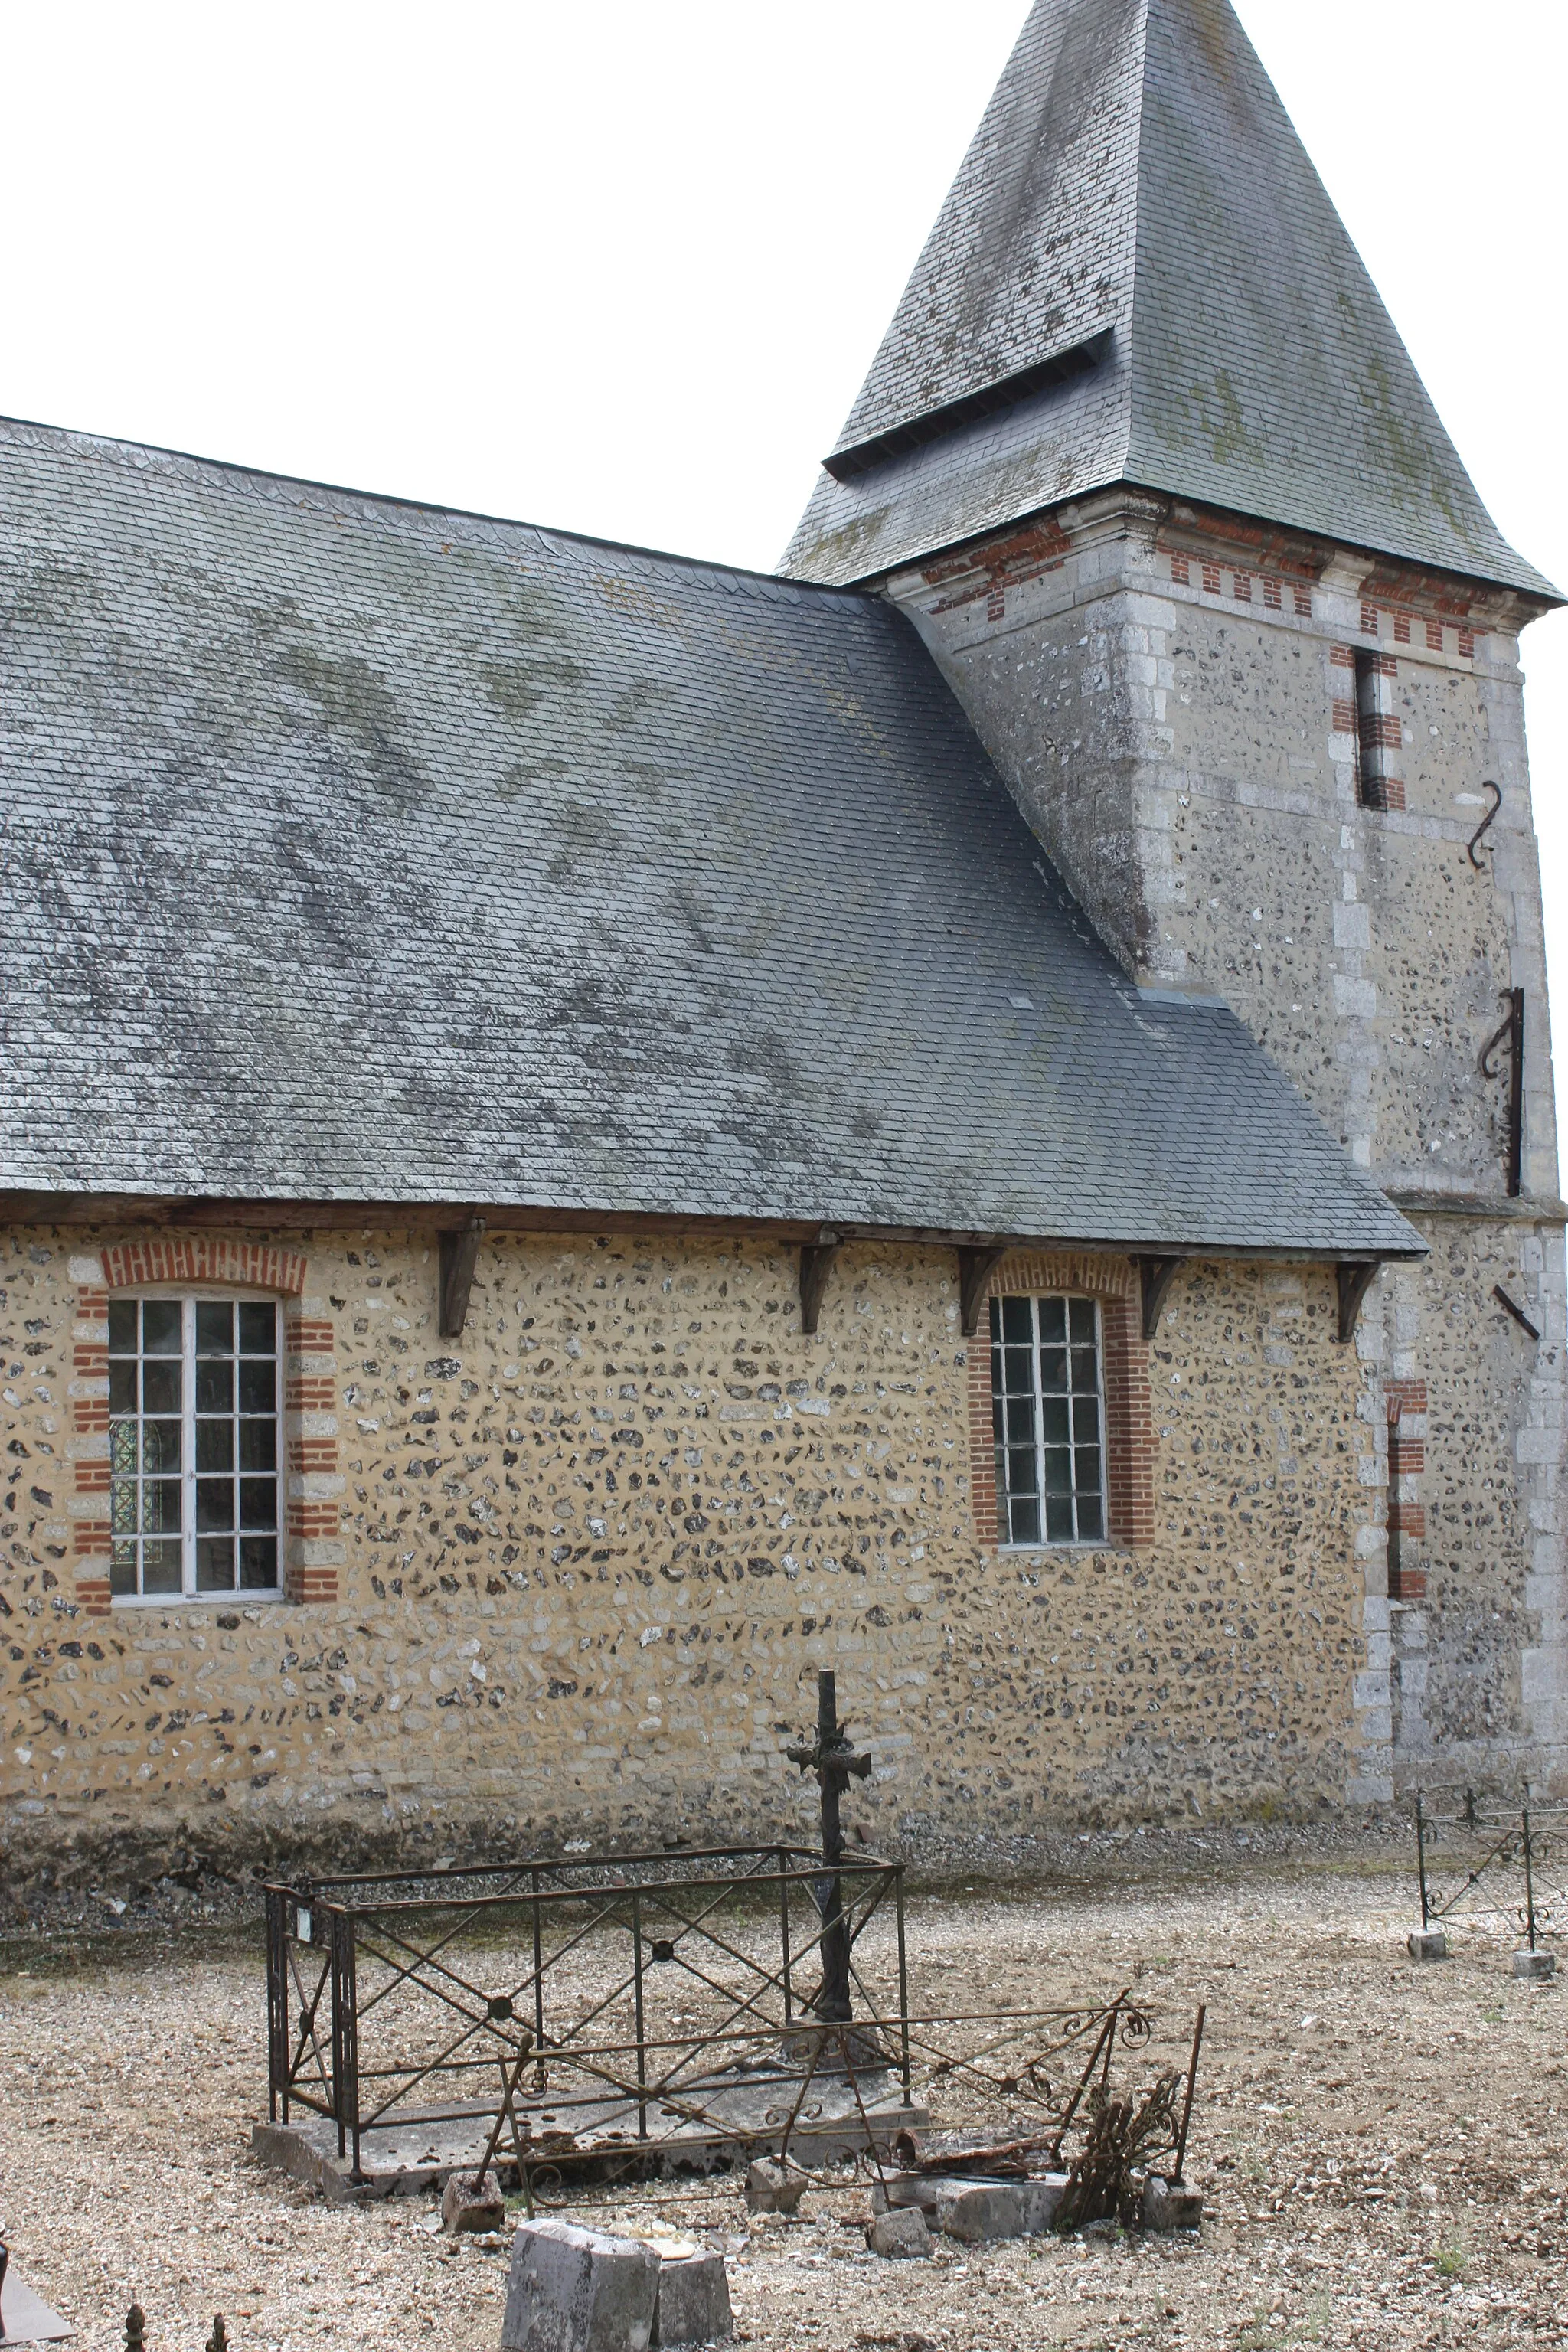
(1024, 1272)
(129, 1266)
(1129, 1400)
(1129, 1426)
(313, 1522)
(89, 1394)
(1404, 1401)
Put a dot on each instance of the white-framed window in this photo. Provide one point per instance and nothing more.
(194, 1408)
(1047, 1415)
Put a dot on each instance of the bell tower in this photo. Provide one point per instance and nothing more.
(1143, 459)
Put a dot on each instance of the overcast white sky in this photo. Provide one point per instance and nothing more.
(621, 266)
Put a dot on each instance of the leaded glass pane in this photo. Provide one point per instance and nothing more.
(215, 1564)
(215, 1327)
(1017, 1329)
(160, 1331)
(257, 1562)
(257, 1329)
(160, 1567)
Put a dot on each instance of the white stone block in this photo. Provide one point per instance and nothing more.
(692, 2305)
(900, 2234)
(573, 2290)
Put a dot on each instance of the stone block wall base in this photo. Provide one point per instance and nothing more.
(899, 2235)
(573, 2290)
(1426, 1944)
(470, 2204)
(1171, 2205)
(692, 2305)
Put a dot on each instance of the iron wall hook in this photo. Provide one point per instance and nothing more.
(1474, 842)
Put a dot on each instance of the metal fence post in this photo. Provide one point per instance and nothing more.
(1528, 1878)
(1421, 1857)
(538, 1965)
(903, 1985)
(1192, 2085)
(276, 2007)
(783, 1932)
(335, 1964)
(642, 2045)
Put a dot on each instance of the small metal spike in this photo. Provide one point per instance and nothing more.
(218, 2340)
(135, 2322)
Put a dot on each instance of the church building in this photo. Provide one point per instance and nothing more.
(583, 1132)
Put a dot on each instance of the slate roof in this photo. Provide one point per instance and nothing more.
(356, 850)
(1135, 169)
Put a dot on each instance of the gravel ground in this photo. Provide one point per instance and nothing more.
(1381, 2146)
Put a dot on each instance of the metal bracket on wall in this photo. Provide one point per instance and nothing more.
(815, 1263)
(458, 1254)
(1509, 1308)
(1475, 841)
(1510, 1032)
(975, 1267)
(1355, 1277)
(1156, 1275)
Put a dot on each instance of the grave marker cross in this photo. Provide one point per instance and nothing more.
(833, 1759)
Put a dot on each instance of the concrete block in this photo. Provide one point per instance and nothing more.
(1535, 1966)
(899, 2235)
(773, 2187)
(468, 2204)
(1426, 1944)
(1041, 2197)
(692, 2305)
(996, 2209)
(979, 2210)
(573, 2290)
(1171, 2205)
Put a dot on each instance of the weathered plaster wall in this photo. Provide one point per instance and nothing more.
(1173, 698)
(594, 1552)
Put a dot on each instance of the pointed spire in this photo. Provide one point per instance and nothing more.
(1138, 276)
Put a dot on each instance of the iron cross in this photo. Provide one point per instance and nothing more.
(833, 1759)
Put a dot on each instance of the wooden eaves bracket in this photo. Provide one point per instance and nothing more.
(975, 1267)
(1355, 1277)
(459, 1254)
(1155, 1275)
(815, 1264)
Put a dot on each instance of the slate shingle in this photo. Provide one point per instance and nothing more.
(1136, 169)
(359, 851)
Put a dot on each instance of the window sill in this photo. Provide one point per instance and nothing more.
(197, 1599)
(1041, 1551)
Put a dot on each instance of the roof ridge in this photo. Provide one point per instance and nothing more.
(233, 471)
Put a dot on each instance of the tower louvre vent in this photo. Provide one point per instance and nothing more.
(1057, 367)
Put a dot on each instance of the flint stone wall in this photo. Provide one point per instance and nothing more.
(594, 1552)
